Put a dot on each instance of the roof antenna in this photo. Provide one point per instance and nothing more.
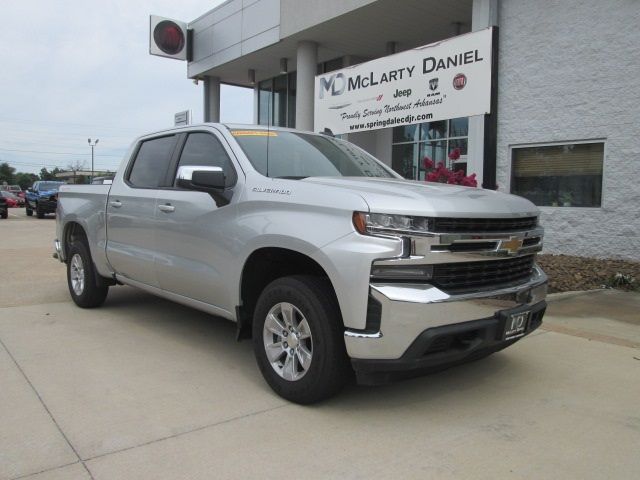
(327, 132)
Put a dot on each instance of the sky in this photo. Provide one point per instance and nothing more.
(80, 69)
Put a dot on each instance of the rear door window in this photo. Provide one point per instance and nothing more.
(152, 162)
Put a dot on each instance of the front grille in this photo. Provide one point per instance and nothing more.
(469, 276)
(483, 225)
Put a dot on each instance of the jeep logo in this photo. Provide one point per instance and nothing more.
(335, 83)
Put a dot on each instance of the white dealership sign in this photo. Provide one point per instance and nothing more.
(448, 79)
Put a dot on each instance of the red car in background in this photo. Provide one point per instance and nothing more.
(12, 200)
(15, 189)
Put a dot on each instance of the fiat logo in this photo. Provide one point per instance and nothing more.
(459, 81)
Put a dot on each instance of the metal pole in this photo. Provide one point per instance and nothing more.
(91, 179)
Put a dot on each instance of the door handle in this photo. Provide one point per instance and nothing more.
(167, 208)
(115, 203)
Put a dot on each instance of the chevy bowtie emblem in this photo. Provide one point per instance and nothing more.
(512, 245)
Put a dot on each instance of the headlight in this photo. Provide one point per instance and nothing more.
(383, 224)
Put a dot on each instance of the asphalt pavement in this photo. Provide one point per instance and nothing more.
(142, 388)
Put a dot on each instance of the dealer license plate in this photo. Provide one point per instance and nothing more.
(516, 325)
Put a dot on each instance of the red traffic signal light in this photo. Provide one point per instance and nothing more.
(168, 38)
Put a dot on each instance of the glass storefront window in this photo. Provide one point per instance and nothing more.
(567, 175)
(403, 160)
(277, 101)
(406, 133)
(435, 140)
(265, 102)
(459, 127)
(291, 103)
(433, 130)
(280, 101)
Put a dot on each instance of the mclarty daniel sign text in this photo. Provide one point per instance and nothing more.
(447, 79)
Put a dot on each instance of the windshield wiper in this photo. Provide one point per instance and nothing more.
(291, 177)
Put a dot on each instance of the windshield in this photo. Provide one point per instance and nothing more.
(300, 155)
(7, 194)
(46, 186)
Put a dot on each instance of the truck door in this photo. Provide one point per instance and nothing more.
(131, 210)
(195, 244)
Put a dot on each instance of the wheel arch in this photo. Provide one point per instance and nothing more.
(263, 266)
(73, 231)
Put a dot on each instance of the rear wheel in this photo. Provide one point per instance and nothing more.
(298, 339)
(5, 213)
(28, 211)
(81, 278)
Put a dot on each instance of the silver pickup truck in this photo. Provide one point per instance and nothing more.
(330, 261)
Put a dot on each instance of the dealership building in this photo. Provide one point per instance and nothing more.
(551, 111)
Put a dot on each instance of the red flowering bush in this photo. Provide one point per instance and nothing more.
(454, 154)
(442, 174)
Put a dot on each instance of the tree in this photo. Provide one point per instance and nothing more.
(7, 173)
(25, 180)
(49, 175)
(76, 165)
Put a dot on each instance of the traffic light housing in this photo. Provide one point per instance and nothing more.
(169, 38)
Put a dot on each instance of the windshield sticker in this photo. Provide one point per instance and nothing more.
(253, 133)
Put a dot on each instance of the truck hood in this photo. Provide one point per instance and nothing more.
(399, 196)
(47, 193)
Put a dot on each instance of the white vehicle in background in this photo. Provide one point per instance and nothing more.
(328, 259)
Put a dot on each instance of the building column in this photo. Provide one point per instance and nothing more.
(256, 103)
(211, 108)
(484, 15)
(307, 61)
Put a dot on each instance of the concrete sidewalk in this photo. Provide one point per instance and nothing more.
(142, 388)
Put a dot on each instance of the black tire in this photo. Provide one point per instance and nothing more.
(28, 211)
(329, 369)
(39, 211)
(90, 295)
(5, 214)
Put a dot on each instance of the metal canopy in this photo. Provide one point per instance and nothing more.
(362, 33)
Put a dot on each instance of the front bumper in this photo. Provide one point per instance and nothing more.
(442, 347)
(410, 311)
(47, 205)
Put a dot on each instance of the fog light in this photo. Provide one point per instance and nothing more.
(402, 272)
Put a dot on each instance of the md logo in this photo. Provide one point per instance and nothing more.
(336, 84)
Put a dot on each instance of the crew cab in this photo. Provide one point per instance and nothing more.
(42, 198)
(324, 256)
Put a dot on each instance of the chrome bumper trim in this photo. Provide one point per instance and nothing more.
(424, 293)
(410, 309)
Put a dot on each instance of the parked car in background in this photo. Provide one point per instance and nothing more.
(4, 211)
(12, 200)
(42, 198)
(16, 190)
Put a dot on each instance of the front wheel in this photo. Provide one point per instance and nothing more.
(39, 211)
(81, 278)
(298, 339)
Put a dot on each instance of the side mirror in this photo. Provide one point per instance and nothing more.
(203, 179)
